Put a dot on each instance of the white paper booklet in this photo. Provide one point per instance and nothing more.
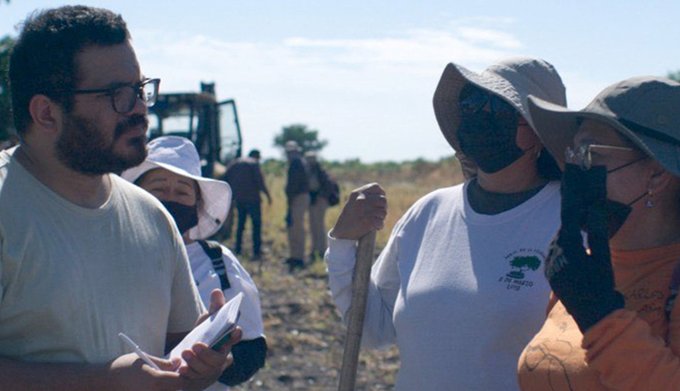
(213, 329)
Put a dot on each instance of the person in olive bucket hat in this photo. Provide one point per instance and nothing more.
(614, 323)
(459, 286)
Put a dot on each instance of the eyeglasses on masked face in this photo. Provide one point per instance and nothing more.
(124, 97)
(584, 157)
(473, 99)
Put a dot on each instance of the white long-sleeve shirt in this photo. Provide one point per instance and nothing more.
(207, 280)
(460, 293)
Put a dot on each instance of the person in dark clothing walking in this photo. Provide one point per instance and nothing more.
(297, 193)
(319, 186)
(246, 180)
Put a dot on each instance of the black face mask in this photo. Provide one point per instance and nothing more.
(592, 184)
(186, 217)
(489, 142)
(617, 213)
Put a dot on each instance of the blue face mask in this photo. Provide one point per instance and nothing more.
(186, 217)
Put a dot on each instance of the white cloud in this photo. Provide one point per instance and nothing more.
(493, 38)
(377, 90)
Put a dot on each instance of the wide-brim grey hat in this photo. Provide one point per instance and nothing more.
(179, 155)
(645, 110)
(513, 80)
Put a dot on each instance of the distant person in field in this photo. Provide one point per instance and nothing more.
(459, 286)
(320, 190)
(247, 182)
(172, 173)
(85, 255)
(298, 199)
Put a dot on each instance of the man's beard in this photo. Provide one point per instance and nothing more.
(83, 148)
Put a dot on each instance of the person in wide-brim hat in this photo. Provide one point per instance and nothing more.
(613, 324)
(511, 80)
(474, 249)
(642, 109)
(178, 155)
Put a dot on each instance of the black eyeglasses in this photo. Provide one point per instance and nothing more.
(123, 98)
(473, 100)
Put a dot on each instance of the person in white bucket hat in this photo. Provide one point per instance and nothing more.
(459, 286)
(179, 156)
(172, 173)
(614, 320)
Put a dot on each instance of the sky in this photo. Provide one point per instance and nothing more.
(363, 72)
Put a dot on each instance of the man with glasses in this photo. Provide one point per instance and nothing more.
(84, 255)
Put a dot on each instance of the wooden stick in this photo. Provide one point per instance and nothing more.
(357, 310)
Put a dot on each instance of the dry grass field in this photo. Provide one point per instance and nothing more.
(305, 334)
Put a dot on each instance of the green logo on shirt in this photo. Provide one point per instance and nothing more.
(522, 261)
(522, 264)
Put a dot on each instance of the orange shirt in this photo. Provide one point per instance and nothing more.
(636, 348)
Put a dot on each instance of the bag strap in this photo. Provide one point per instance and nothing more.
(214, 251)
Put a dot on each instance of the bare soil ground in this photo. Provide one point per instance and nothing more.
(305, 334)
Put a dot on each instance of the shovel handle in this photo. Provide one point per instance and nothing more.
(357, 311)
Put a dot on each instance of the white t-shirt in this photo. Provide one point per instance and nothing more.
(460, 293)
(72, 278)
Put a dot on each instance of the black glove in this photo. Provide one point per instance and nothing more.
(249, 357)
(583, 282)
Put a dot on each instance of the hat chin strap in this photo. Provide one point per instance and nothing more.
(649, 132)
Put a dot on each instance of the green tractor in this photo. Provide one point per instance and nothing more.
(211, 125)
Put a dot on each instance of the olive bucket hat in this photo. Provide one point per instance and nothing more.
(513, 80)
(645, 110)
(178, 155)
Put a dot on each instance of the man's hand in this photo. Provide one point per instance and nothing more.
(129, 372)
(364, 211)
(203, 364)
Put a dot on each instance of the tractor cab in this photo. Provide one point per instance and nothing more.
(212, 125)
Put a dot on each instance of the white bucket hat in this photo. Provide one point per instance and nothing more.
(179, 155)
(512, 80)
(292, 146)
(643, 109)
